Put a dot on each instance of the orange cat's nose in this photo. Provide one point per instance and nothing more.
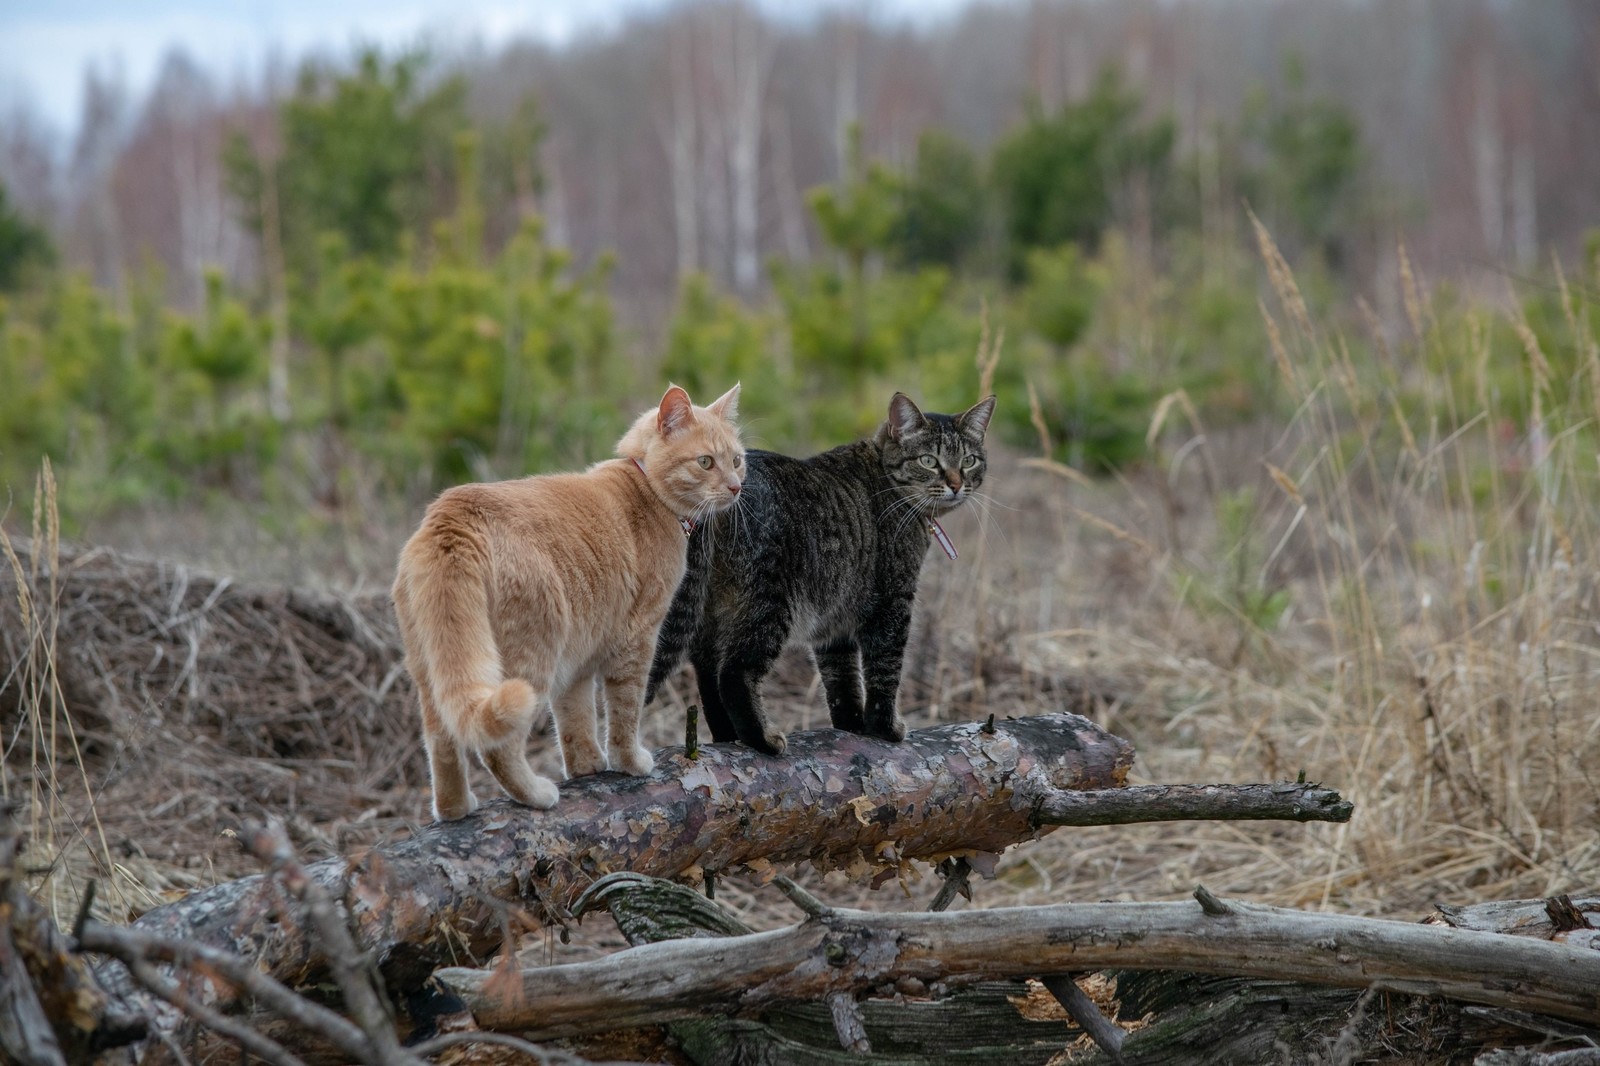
(733, 490)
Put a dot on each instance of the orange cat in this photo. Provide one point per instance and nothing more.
(553, 587)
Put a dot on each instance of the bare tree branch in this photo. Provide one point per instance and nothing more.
(351, 967)
(1285, 801)
(135, 947)
(1082, 1010)
(247, 1038)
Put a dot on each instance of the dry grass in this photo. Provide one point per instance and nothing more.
(1404, 611)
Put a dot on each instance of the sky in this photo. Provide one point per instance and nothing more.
(47, 45)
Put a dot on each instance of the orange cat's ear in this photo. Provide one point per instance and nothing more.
(726, 406)
(675, 411)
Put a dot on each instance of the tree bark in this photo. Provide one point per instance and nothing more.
(850, 951)
(836, 799)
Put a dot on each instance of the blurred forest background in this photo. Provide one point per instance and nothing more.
(378, 272)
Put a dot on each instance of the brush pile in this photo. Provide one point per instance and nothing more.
(190, 700)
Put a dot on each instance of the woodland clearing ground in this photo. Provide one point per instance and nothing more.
(1384, 589)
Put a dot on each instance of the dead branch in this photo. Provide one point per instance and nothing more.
(1527, 917)
(955, 873)
(26, 1036)
(248, 1039)
(216, 970)
(849, 951)
(51, 1006)
(848, 1023)
(1284, 801)
(351, 968)
(1082, 1010)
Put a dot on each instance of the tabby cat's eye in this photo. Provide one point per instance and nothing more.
(928, 461)
(705, 462)
(969, 462)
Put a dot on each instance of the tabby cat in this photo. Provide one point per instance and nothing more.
(827, 551)
(553, 587)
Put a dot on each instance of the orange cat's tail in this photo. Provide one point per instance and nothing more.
(443, 587)
(488, 718)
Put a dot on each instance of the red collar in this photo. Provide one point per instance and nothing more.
(685, 524)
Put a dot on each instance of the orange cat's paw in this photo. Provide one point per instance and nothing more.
(542, 794)
(454, 808)
(637, 762)
(581, 765)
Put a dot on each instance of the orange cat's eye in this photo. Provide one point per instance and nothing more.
(705, 462)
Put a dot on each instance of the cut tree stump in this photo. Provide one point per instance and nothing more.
(840, 801)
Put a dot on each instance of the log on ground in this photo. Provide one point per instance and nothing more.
(839, 800)
(852, 951)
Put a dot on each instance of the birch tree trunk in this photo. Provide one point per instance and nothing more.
(682, 142)
(750, 61)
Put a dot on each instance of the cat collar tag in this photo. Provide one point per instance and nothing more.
(685, 524)
(936, 531)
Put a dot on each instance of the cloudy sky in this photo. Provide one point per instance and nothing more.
(46, 45)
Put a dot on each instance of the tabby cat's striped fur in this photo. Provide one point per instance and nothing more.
(825, 551)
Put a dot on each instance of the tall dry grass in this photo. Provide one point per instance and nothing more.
(45, 775)
(1393, 590)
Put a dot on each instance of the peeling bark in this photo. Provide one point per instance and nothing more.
(838, 800)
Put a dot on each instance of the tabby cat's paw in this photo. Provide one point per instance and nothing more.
(637, 762)
(894, 730)
(773, 743)
(851, 721)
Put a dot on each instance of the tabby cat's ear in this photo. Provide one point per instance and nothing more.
(904, 416)
(726, 406)
(974, 421)
(675, 412)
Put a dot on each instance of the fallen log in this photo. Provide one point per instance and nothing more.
(838, 800)
(1174, 1019)
(852, 951)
